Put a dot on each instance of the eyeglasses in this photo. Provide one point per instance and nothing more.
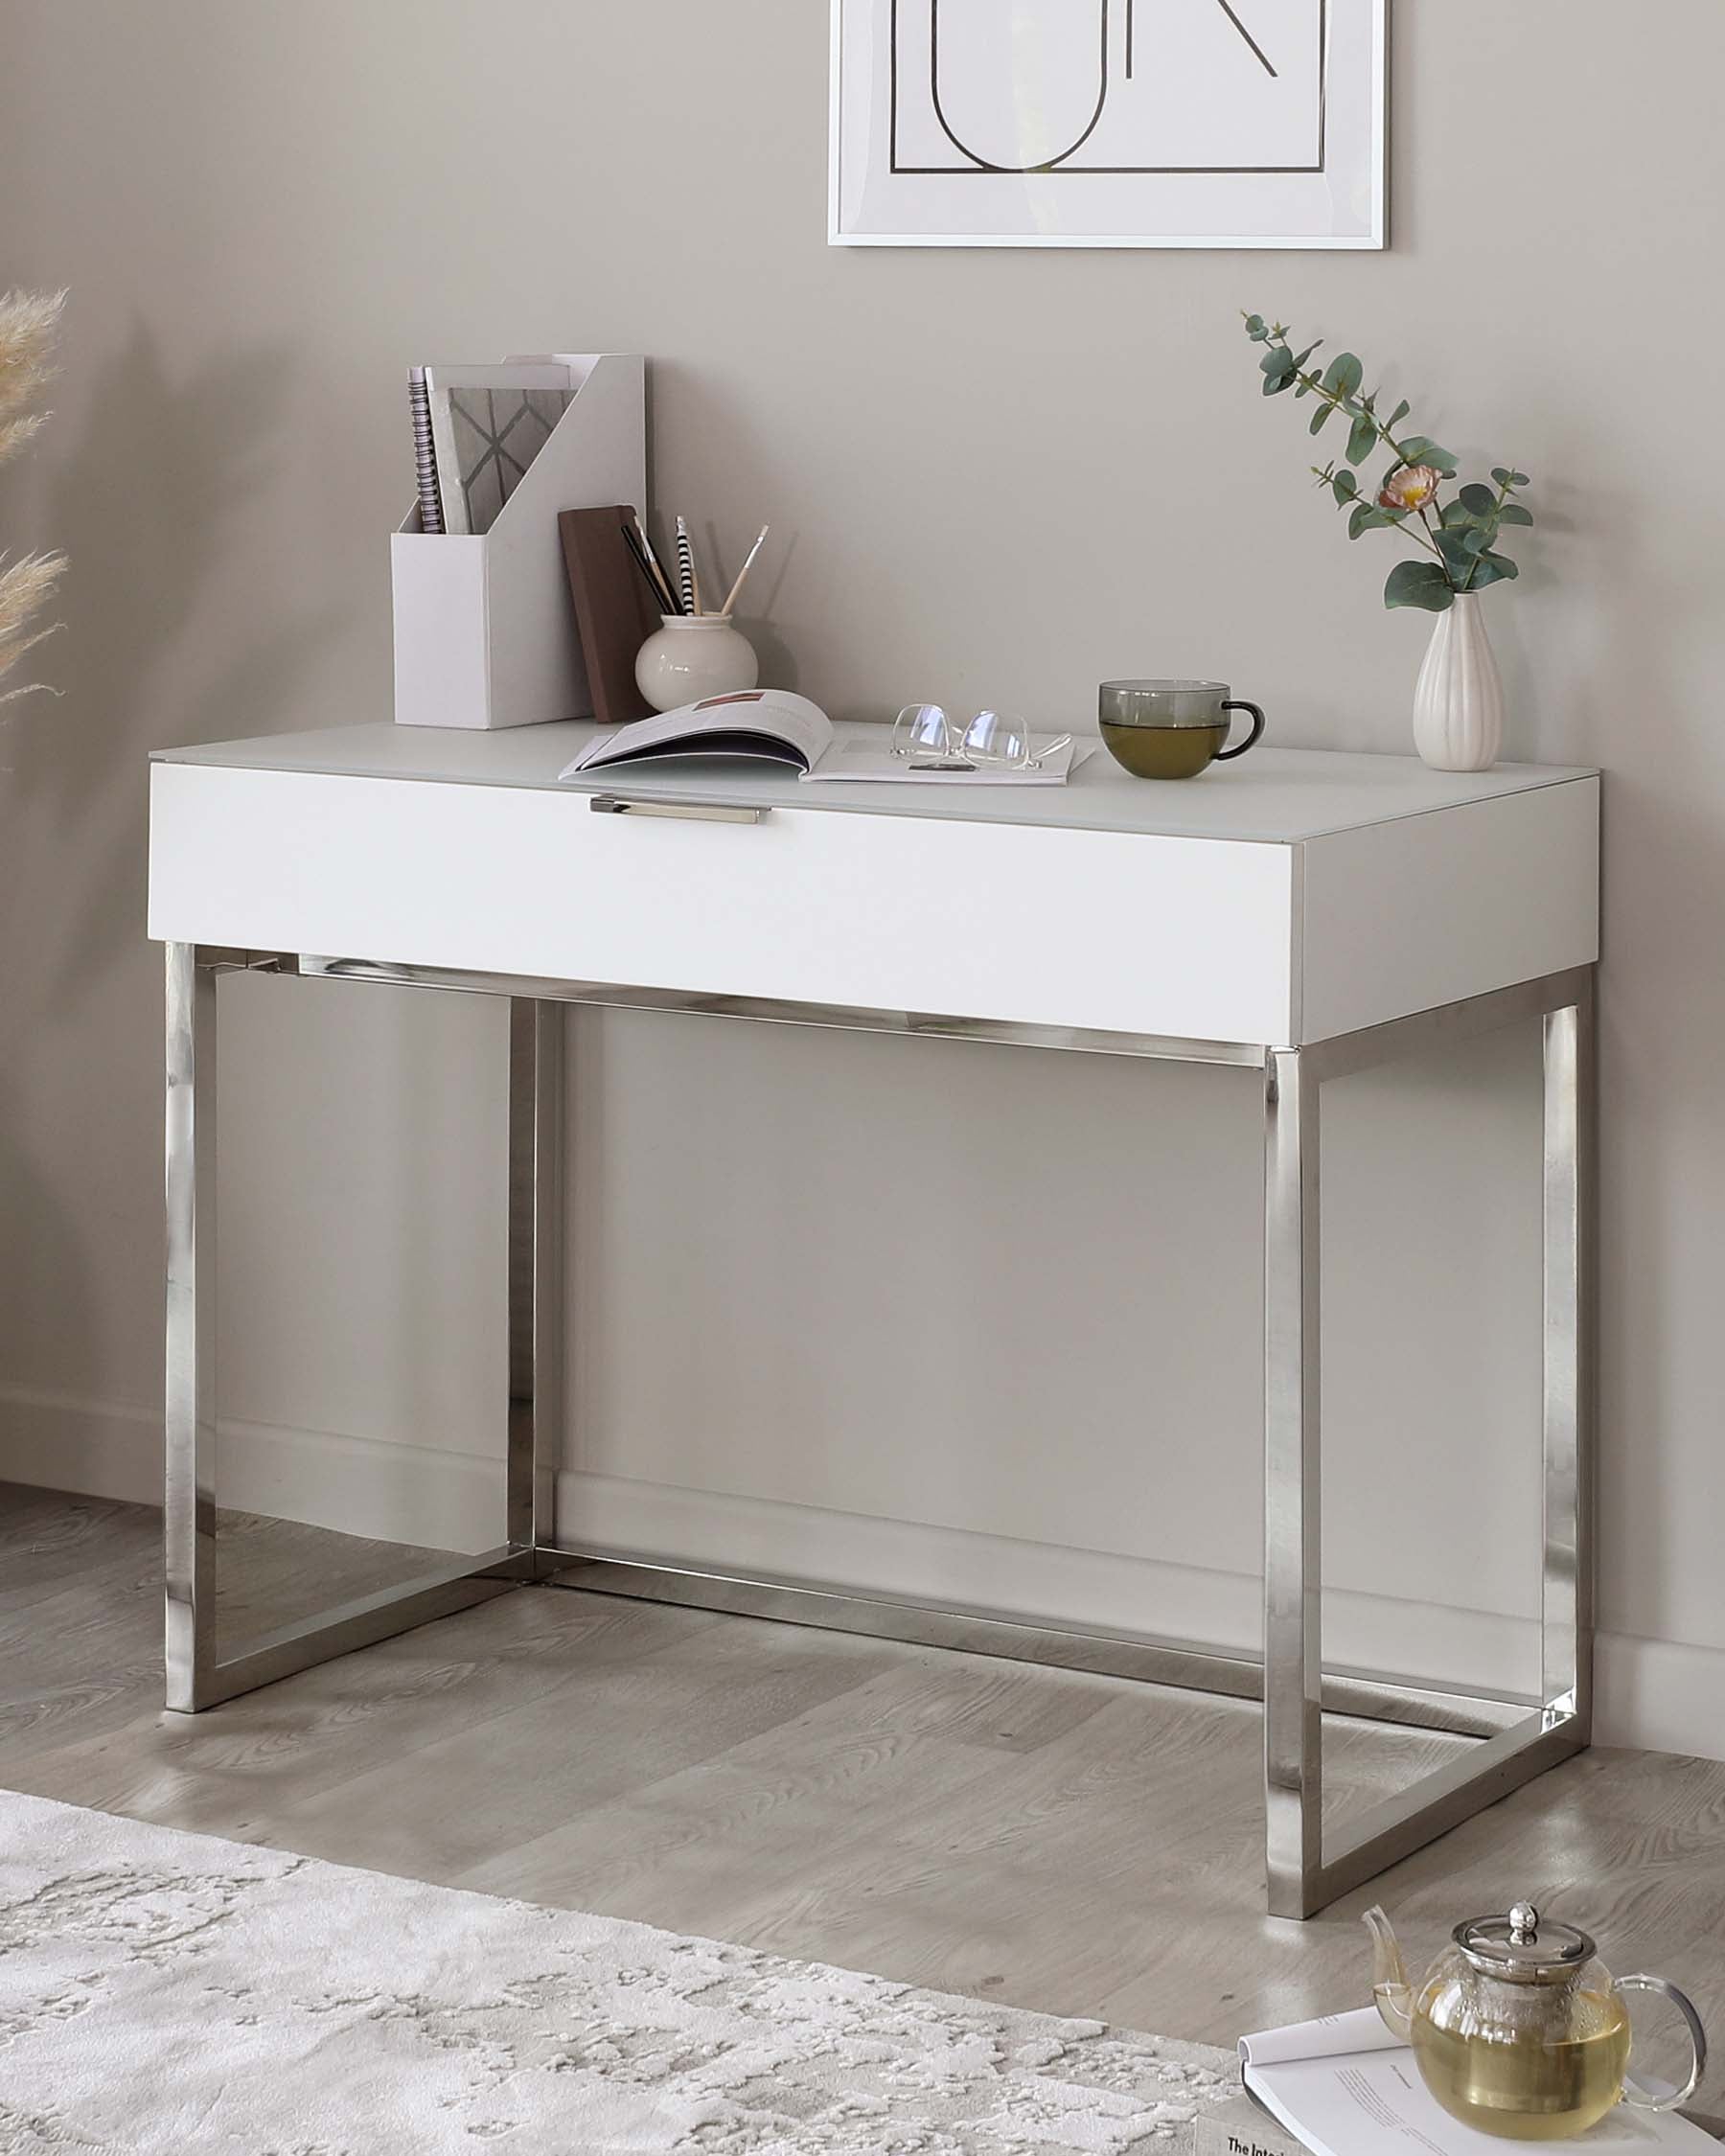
(930, 739)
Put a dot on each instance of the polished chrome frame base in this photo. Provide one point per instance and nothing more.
(1515, 1740)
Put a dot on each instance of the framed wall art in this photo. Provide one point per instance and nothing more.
(1109, 122)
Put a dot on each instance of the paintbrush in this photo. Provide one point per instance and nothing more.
(660, 604)
(745, 569)
(672, 604)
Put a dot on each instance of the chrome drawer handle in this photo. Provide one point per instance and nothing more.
(693, 811)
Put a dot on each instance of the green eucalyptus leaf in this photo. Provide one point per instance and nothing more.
(1278, 361)
(1420, 449)
(1456, 551)
(1362, 441)
(1343, 374)
(1479, 539)
(1256, 327)
(1418, 584)
(1364, 515)
(1345, 488)
(1492, 568)
(1477, 500)
(1454, 517)
(1321, 415)
(1275, 384)
(1512, 512)
(1301, 358)
(1396, 417)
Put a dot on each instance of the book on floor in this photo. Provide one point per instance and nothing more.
(1243, 2128)
(1345, 2086)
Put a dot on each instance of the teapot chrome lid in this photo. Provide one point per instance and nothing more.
(1523, 1947)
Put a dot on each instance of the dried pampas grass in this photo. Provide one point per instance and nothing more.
(24, 590)
(29, 326)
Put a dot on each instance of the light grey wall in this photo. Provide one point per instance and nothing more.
(990, 475)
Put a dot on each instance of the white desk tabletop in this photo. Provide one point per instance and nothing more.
(1275, 796)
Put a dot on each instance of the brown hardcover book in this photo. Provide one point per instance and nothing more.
(614, 613)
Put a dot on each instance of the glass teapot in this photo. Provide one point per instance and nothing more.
(1518, 2027)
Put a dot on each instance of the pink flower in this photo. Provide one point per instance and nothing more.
(1410, 487)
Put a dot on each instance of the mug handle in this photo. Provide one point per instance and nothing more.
(1251, 739)
(1636, 2093)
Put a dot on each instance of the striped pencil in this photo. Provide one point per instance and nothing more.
(685, 568)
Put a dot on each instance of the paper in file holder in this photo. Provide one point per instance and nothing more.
(484, 625)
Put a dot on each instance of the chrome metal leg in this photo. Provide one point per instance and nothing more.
(1292, 1542)
(1305, 1872)
(189, 1511)
(1566, 1606)
(196, 1676)
(535, 1118)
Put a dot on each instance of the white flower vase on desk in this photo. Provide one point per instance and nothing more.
(1458, 698)
(1458, 527)
(693, 657)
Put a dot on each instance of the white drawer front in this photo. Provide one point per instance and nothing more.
(1014, 923)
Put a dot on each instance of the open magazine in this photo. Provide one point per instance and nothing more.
(1347, 2086)
(784, 728)
(769, 723)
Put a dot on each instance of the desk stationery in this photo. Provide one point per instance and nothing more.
(1335, 911)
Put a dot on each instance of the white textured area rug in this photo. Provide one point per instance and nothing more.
(162, 1991)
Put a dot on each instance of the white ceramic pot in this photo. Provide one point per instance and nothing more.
(692, 656)
(1458, 698)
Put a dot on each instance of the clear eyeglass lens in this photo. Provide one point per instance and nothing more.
(922, 729)
(993, 738)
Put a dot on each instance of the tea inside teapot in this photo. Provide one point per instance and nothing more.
(1549, 2089)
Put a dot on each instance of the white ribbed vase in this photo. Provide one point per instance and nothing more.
(1458, 698)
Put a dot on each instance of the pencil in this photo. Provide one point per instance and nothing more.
(685, 569)
(745, 569)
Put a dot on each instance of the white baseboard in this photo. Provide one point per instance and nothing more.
(1084, 1588)
(1656, 1694)
(358, 1486)
(1659, 1695)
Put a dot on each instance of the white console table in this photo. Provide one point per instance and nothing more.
(1326, 912)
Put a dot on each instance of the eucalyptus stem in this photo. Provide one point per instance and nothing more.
(1460, 533)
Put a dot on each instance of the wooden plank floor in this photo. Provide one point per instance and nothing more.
(1070, 1843)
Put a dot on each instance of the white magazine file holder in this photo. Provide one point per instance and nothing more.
(484, 625)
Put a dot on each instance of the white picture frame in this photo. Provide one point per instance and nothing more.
(1109, 124)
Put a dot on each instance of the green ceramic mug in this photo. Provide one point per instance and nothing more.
(1172, 729)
